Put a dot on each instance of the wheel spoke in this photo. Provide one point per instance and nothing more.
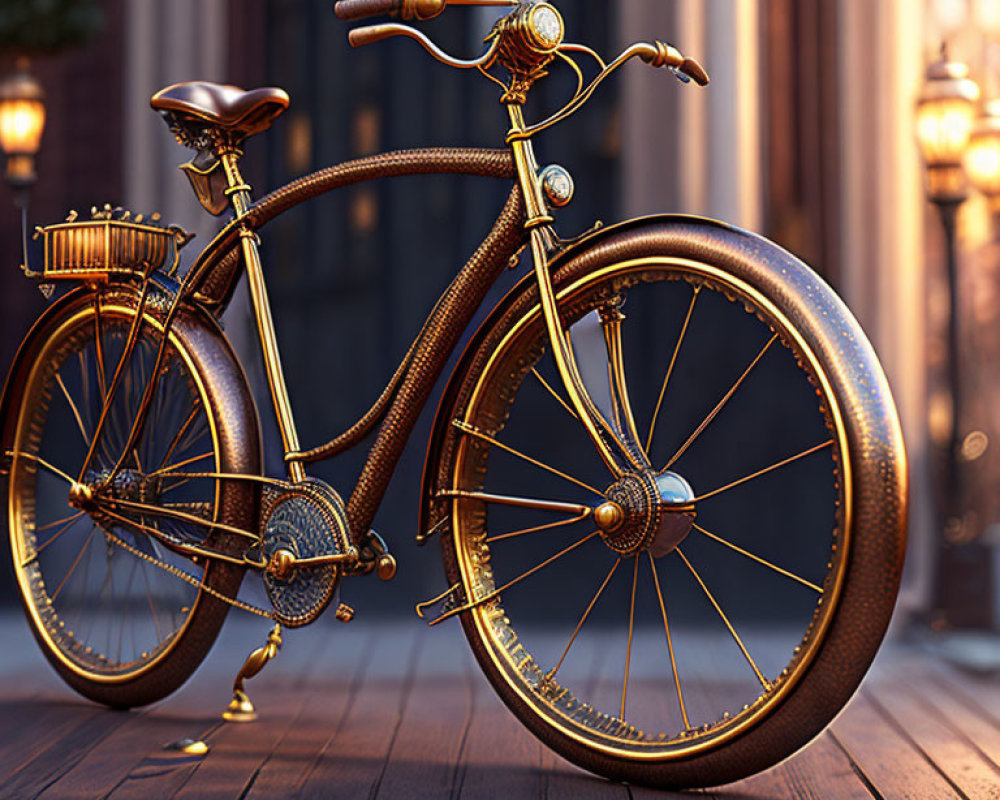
(75, 564)
(184, 463)
(48, 525)
(670, 369)
(631, 629)
(71, 521)
(729, 626)
(538, 528)
(758, 559)
(670, 643)
(76, 411)
(583, 619)
(101, 372)
(554, 393)
(180, 434)
(42, 463)
(465, 428)
(722, 404)
(497, 592)
(764, 471)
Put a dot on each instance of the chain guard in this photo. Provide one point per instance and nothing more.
(309, 520)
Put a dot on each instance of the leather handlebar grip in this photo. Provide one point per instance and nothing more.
(349, 10)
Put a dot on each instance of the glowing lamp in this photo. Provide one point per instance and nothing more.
(946, 117)
(22, 120)
(982, 158)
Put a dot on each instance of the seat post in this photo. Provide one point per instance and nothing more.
(240, 197)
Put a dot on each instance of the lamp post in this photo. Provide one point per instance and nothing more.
(22, 121)
(946, 117)
(982, 159)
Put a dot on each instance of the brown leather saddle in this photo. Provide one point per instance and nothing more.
(209, 117)
(238, 112)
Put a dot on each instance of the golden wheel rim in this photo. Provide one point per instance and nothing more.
(105, 614)
(678, 721)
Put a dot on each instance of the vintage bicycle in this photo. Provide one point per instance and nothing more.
(727, 437)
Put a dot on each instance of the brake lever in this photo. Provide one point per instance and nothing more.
(370, 34)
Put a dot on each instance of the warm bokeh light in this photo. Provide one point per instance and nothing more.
(21, 126)
(946, 116)
(982, 160)
(944, 127)
(22, 121)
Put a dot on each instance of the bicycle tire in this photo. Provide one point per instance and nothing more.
(160, 646)
(837, 643)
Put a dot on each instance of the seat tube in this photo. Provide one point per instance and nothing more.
(538, 219)
(239, 194)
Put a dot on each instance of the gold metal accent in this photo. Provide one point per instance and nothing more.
(609, 516)
(386, 568)
(241, 709)
(282, 564)
(96, 249)
(188, 747)
(422, 607)
(80, 495)
(344, 613)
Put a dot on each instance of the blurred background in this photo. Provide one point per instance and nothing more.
(808, 135)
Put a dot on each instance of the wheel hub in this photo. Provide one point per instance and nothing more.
(646, 511)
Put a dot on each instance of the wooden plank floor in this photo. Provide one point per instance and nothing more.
(395, 711)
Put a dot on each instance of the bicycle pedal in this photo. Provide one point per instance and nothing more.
(344, 613)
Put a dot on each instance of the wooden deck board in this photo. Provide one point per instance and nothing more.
(393, 711)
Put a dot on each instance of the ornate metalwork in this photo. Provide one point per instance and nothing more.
(299, 527)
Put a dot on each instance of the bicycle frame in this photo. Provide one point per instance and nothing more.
(524, 221)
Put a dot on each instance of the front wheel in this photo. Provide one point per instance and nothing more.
(706, 613)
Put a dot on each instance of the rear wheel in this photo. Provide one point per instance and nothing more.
(105, 595)
(706, 613)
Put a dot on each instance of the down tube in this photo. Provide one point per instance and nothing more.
(445, 328)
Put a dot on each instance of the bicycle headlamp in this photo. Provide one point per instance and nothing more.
(545, 27)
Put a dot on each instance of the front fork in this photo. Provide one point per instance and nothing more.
(616, 454)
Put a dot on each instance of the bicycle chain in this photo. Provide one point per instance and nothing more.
(177, 572)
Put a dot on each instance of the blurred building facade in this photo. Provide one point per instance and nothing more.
(806, 135)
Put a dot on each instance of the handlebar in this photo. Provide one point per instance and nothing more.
(419, 10)
(350, 10)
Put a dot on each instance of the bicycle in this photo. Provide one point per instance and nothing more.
(137, 502)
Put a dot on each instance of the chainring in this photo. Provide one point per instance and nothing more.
(309, 520)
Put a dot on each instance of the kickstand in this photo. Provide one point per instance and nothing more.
(240, 708)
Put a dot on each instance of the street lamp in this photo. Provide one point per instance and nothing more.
(946, 117)
(982, 159)
(22, 120)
